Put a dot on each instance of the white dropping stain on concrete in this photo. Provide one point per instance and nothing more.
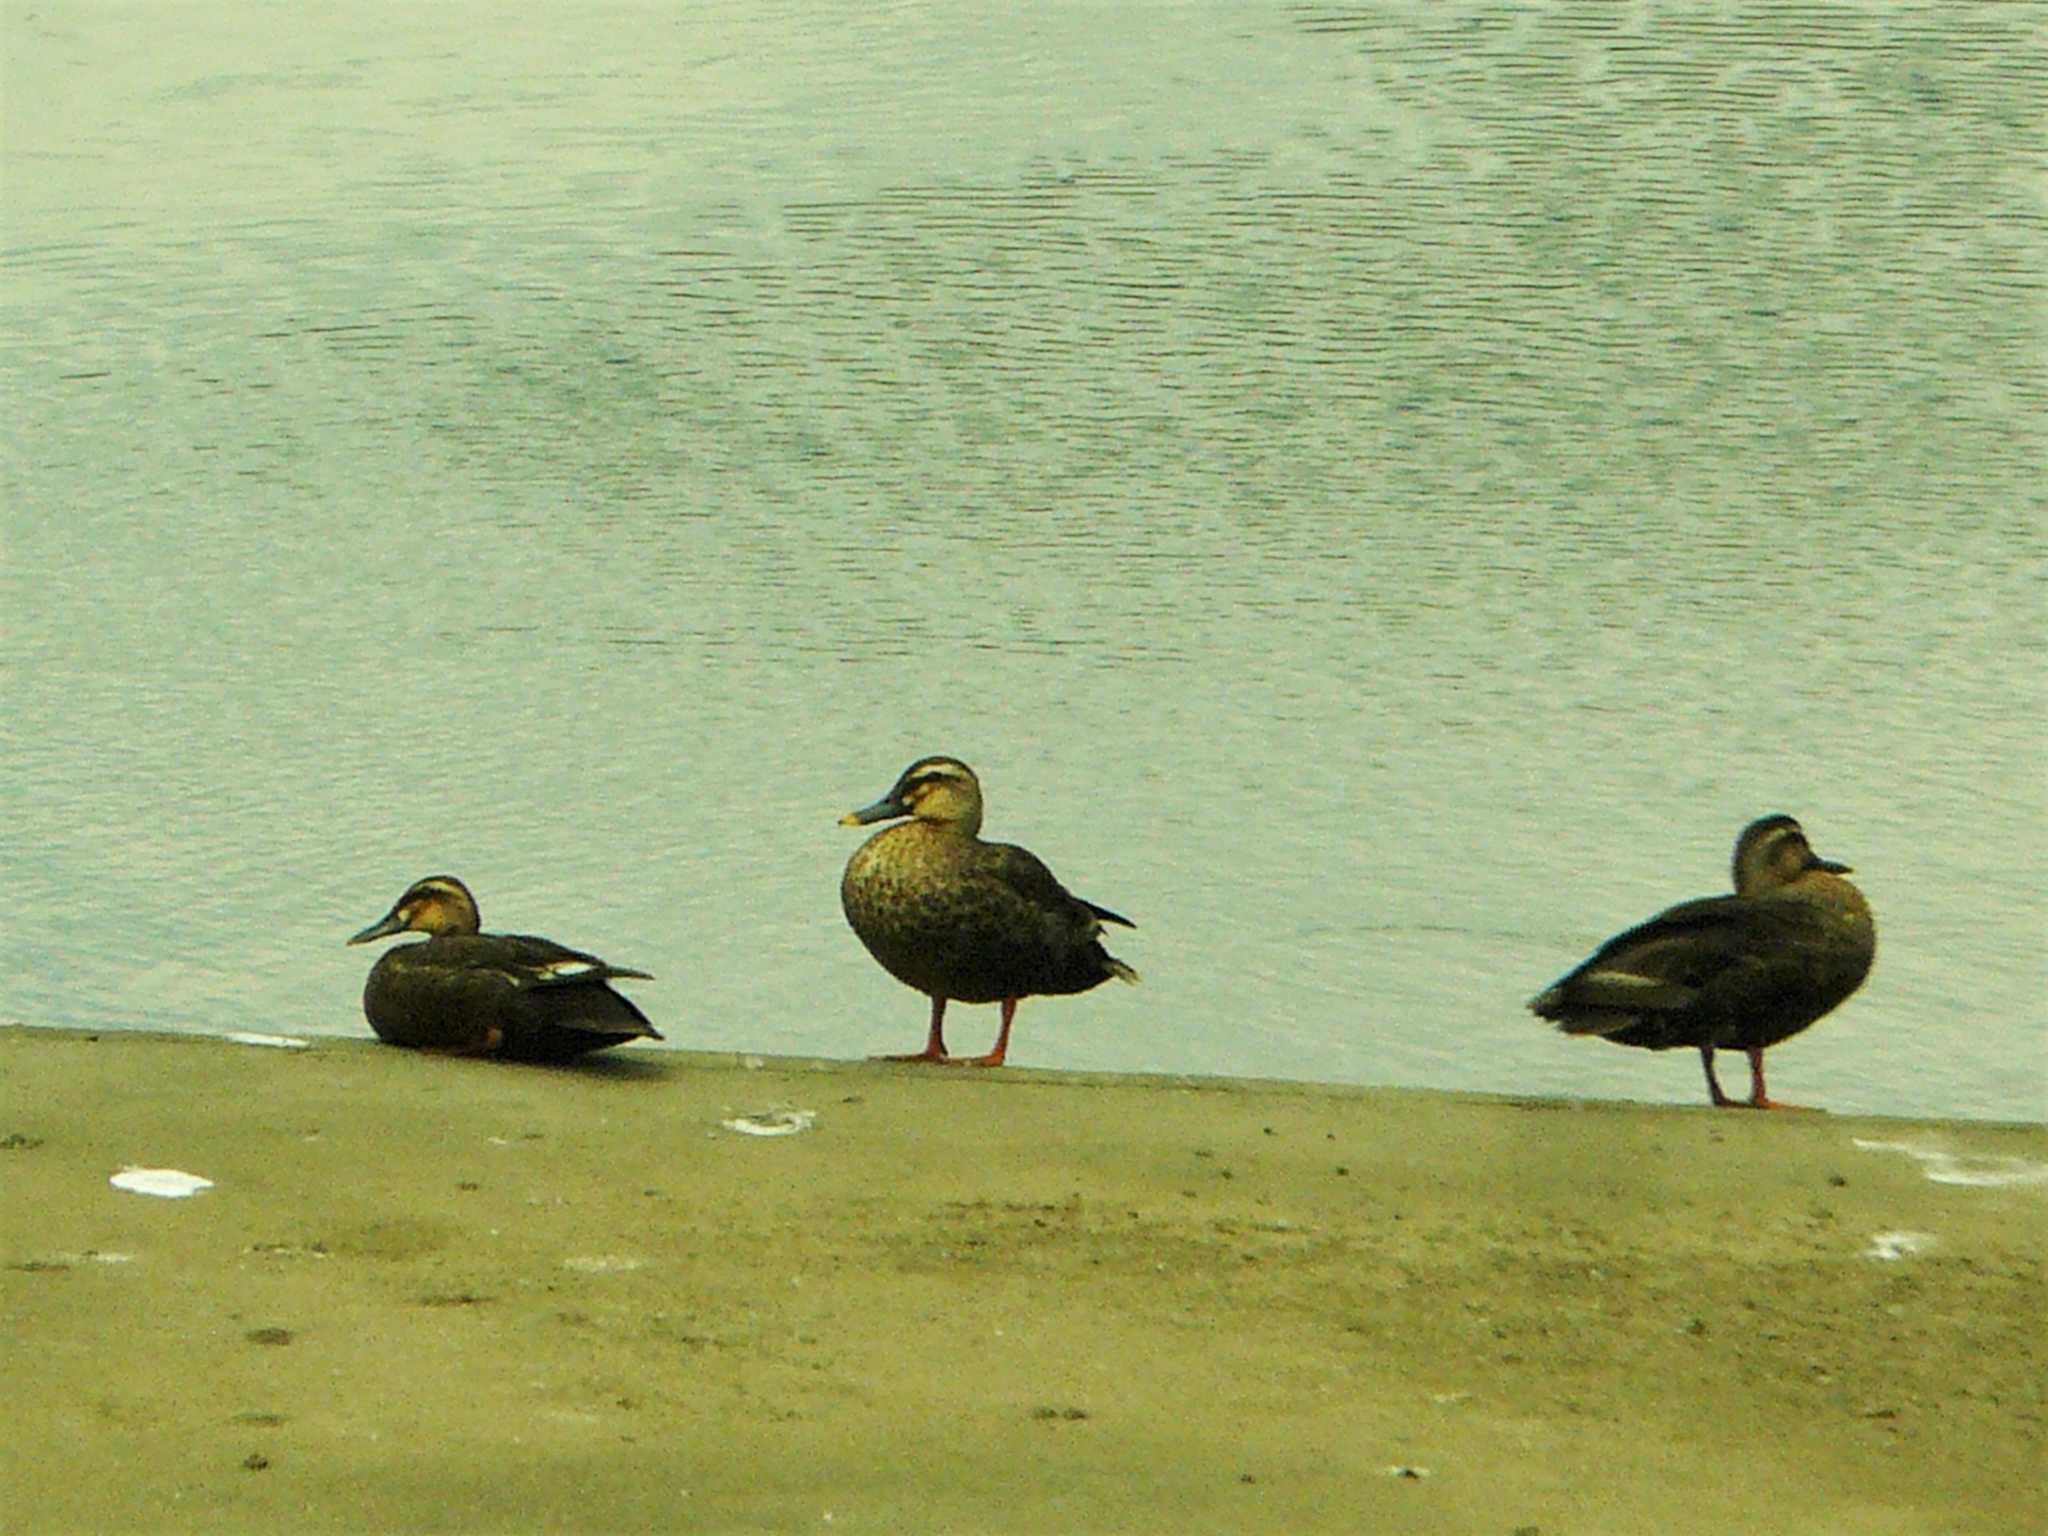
(279, 1042)
(1891, 1246)
(1980, 1170)
(603, 1263)
(772, 1122)
(165, 1183)
(71, 1260)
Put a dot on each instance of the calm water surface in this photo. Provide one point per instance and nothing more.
(1381, 495)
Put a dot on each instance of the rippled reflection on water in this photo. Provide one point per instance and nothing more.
(1381, 498)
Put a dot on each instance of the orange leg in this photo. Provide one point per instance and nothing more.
(995, 1057)
(1758, 1099)
(935, 1043)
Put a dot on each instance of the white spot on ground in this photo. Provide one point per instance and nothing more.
(1898, 1245)
(1981, 1170)
(165, 1183)
(772, 1122)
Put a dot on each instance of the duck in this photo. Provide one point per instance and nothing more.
(1740, 972)
(466, 992)
(961, 920)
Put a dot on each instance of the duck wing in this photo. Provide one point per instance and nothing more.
(1024, 876)
(1002, 927)
(554, 1002)
(1668, 980)
(1104, 914)
(530, 961)
(539, 1000)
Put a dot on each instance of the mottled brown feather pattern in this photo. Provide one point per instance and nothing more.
(958, 918)
(976, 922)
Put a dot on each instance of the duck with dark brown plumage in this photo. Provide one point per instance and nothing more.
(1739, 972)
(489, 994)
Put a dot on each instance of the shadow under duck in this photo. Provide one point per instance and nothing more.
(489, 994)
(1739, 972)
(963, 920)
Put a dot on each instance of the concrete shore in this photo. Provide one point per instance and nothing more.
(432, 1294)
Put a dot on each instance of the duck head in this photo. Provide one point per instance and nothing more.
(437, 904)
(1773, 851)
(938, 789)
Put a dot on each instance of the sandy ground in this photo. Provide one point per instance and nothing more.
(430, 1294)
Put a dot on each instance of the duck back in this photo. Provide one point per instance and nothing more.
(1727, 972)
(545, 1001)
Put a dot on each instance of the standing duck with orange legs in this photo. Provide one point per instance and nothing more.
(1739, 972)
(961, 920)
